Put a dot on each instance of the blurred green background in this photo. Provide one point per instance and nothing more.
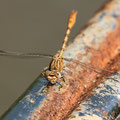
(34, 26)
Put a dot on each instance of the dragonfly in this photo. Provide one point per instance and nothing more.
(55, 71)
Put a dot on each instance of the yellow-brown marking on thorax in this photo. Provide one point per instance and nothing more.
(57, 64)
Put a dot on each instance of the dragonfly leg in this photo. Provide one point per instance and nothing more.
(61, 85)
(43, 71)
(63, 82)
(46, 68)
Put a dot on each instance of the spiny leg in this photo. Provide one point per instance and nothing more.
(44, 71)
(63, 82)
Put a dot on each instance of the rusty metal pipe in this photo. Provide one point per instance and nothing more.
(97, 44)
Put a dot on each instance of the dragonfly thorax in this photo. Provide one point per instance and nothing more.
(55, 69)
(56, 64)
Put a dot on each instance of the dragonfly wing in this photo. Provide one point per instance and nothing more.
(87, 65)
(92, 68)
(19, 54)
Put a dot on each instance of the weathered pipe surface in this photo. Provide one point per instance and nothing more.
(103, 105)
(104, 101)
(118, 118)
(28, 102)
(98, 44)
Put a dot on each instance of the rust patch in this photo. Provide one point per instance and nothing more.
(118, 118)
(108, 50)
(119, 104)
(104, 113)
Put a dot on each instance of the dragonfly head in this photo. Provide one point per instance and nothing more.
(53, 76)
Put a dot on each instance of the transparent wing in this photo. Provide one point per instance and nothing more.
(87, 65)
(39, 55)
(22, 55)
(92, 68)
